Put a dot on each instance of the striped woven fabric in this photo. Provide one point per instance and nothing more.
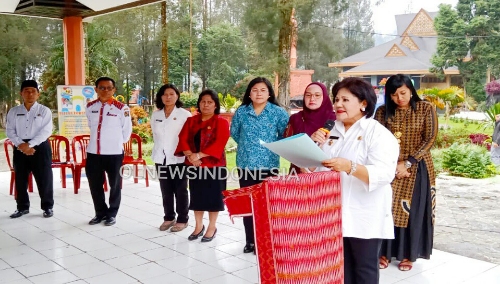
(298, 227)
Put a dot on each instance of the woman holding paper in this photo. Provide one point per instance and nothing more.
(366, 155)
(258, 118)
(414, 123)
(317, 110)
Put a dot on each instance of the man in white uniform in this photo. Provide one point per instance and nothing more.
(110, 126)
(29, 126)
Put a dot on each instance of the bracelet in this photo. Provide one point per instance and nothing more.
(198, 156)
(353, 168)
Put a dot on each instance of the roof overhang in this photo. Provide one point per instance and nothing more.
(345, 64)
(392, 72)
(59, 9)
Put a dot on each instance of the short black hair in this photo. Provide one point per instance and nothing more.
(214, 97)
(100, 79)
(272, 96)
(361, 89)
(393, 83)
(159, 103)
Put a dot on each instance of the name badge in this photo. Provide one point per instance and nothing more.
(95, 111)
(159, 120)
(110, 114)
(332, 140)
(20, 114)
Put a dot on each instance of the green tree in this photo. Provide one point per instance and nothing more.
(221, 57)
(467, 39)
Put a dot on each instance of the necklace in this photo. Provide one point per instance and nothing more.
(167, 114)
(399, 131)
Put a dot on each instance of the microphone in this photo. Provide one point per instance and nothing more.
(327, 127)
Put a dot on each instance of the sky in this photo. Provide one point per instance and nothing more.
(383, 15)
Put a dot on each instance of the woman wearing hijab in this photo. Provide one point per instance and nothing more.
(317, 110)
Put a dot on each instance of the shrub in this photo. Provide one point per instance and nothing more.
(144, 131)
(446, 137)
(189, 100)
(481, 140)
(437, 158)
(468, 160)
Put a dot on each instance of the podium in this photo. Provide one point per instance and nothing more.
(298, 227)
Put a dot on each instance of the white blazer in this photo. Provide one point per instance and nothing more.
(366, 208)
(166, 135)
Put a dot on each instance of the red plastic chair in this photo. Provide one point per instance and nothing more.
(79, 149)
(129, 157)
(6, 145)
(60, 159)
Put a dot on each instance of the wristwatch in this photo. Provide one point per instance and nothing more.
(407, 164)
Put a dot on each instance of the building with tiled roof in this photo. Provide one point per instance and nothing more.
(408, 54)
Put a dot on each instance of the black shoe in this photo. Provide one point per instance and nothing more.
(194, 236)
(97, 220)
(19, 213)
(249, 248)
(206, 239)
(110, 221)
(47, 213)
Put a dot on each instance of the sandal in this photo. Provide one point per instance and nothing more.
(179, 227)
(405, 265)
(383, 263)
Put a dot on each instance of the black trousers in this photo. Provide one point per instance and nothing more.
(40, 164)
(361, 258)
(173, 184)
(248, 178)
(95, 168)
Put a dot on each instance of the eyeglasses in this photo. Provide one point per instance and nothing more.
(106, 88)
(315, 96)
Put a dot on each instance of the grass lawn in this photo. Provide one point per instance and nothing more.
(2, 134)
(466, 127)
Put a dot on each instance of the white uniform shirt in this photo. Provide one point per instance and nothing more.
(110, 126)
(166, 135)
(366, 208)
(35, 124)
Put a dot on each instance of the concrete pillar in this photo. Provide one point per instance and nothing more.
(74, 57)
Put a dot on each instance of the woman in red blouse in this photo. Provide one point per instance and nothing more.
(202, 140)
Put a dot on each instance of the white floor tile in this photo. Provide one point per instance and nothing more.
(230, 264)
(225, 279)
(146, 271)
(109, 253)
(10, 274)
(114, 277)
(61, 252)
(25, 259)
(200, 272)
(127, 261)
(76, 260)
(171, 278)
(140, 246)
(92, 270)
(158, 254)
(38, 268)
(179, 262)
(251, 274)
(56, 277)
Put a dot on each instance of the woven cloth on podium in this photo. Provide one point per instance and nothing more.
(298, 227)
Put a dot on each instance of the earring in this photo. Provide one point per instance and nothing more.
(363, 109)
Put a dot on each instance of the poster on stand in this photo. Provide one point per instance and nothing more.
(71, 103)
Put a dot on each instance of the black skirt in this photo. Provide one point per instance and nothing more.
(205, 188)
(416, 240)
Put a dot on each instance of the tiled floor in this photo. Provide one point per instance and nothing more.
(65, 249)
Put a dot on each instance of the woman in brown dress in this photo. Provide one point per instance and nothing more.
(414, 123)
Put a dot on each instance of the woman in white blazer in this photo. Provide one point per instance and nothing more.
(166, 123)
(366, 155)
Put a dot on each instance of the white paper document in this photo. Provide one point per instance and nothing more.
(299, 149)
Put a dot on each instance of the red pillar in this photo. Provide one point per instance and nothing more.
(74, 58)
